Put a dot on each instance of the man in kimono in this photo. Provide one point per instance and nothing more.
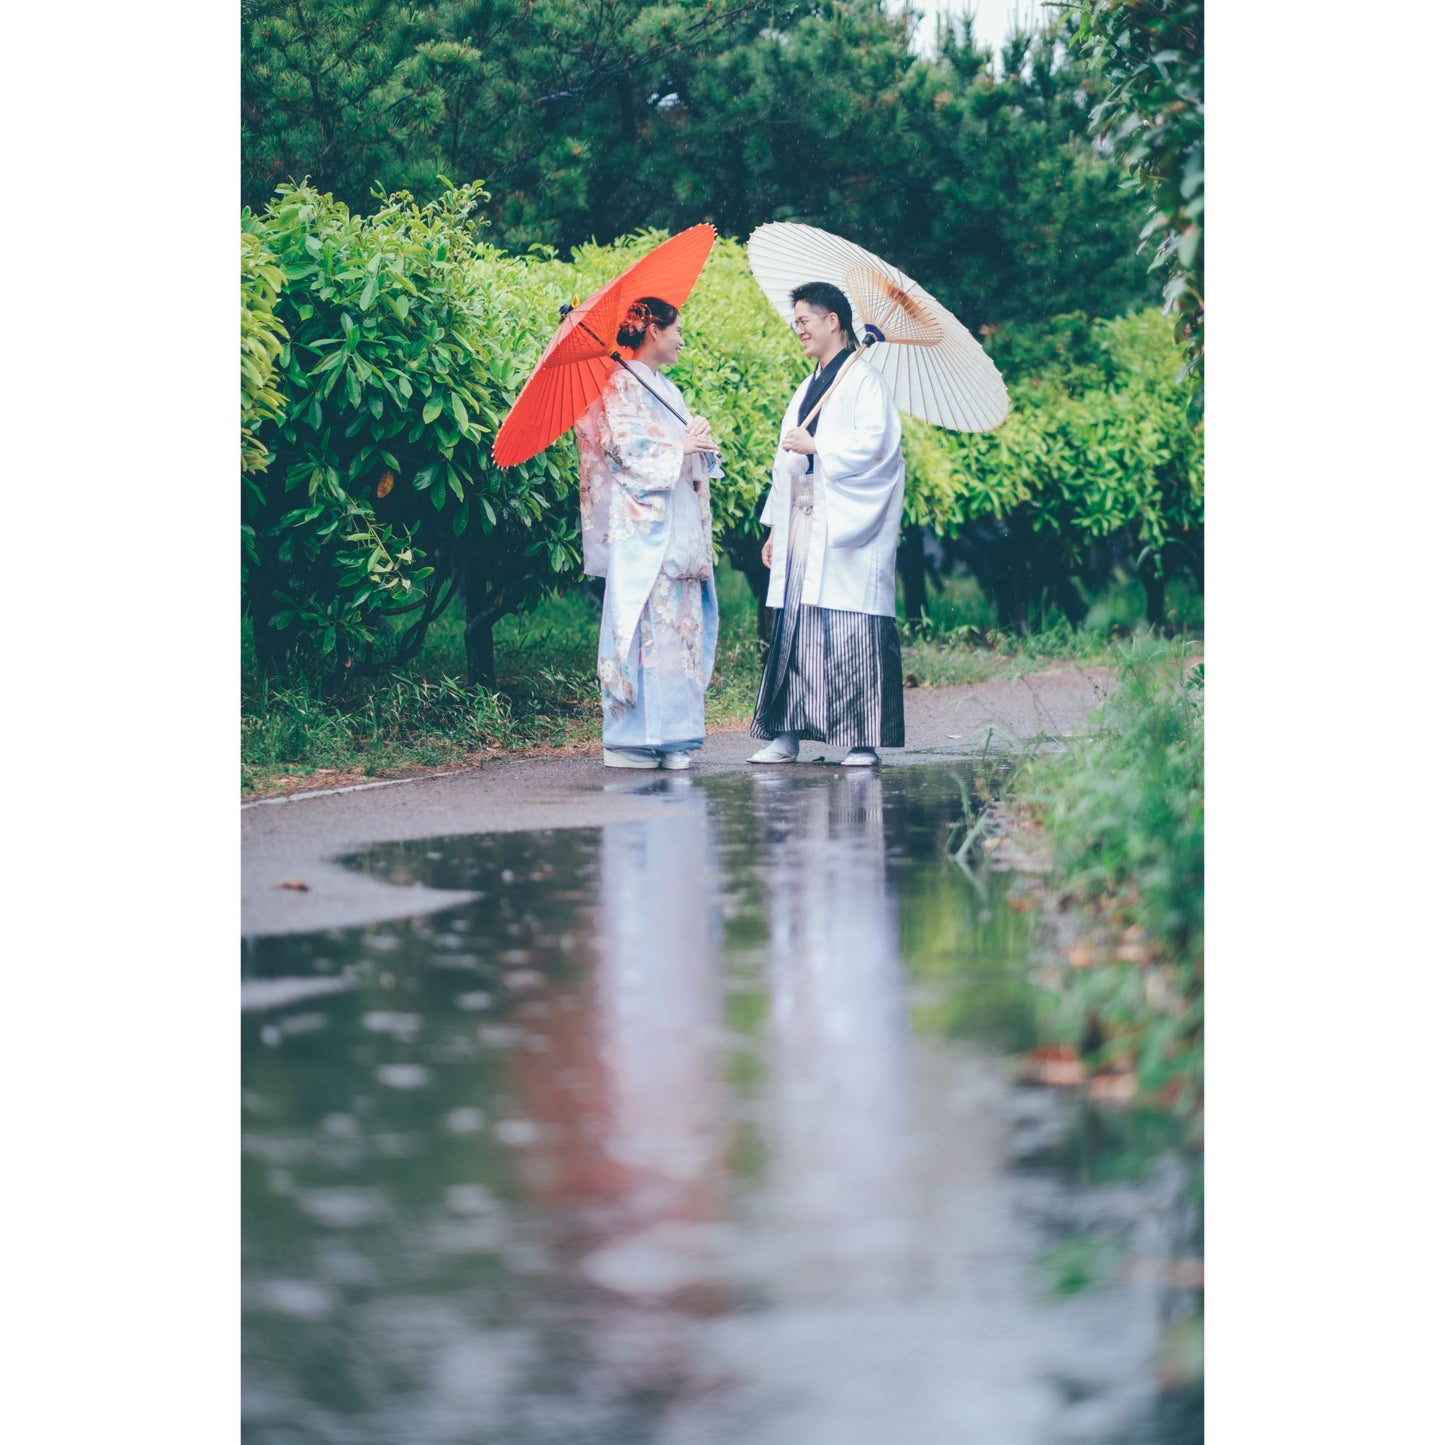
(647, 528)
(835, 667)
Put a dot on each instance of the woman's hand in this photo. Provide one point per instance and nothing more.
(799, 439)
(768, 552)
(697, 436)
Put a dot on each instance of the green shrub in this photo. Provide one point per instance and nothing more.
(398, 342)
(1123, 812)
(262, 338)
(1098, 470)
(407, 344)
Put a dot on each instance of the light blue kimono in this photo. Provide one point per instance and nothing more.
(647, 528)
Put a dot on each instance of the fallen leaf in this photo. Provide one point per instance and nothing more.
(384, 486)
(296, 884)
(1057, 1065)
(1082, 955)
(1021, 905)
(1187, 1274)
(1113, 1088)
(910, 680)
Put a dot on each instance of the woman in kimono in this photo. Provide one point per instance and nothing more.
(647, 528)
(835, 667)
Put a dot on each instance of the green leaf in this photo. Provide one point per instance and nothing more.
(432, 410)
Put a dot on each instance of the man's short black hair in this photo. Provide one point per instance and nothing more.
(830, 298)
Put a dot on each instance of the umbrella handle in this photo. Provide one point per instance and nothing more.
(627, 366)
(831, 389)
(616, 356)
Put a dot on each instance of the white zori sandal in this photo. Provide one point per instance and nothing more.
(782, 749)
(629, 758)
(862, 758)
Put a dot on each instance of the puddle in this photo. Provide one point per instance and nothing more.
(698, 1129)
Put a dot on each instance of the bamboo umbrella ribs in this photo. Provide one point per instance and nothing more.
(573, 369)
(930, 362)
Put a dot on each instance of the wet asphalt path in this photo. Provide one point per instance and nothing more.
(293, 841)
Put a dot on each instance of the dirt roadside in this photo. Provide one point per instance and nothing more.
(290, 882)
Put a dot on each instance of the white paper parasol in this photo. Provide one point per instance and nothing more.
(932, 365)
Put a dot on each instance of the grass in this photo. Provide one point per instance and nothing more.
(1120, 812)
(425, 716)
(545, 697)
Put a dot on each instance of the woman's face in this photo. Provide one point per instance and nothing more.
(665, 343)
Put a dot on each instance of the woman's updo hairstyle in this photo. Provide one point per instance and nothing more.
(644, 312)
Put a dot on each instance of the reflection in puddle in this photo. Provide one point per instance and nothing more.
(695, 1129)
(843, 1170)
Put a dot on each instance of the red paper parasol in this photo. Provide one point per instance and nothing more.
(580, 357)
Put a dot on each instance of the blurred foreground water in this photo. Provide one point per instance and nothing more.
(694, 1130)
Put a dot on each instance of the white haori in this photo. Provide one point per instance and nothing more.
(857, 498)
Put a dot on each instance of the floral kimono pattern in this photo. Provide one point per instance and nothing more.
(647, 528)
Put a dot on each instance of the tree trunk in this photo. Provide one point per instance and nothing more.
(481, 613)
(915, 579)
(481, 649)
(271, 645)
(1154, 586)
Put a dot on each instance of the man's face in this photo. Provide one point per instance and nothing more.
(817, 329)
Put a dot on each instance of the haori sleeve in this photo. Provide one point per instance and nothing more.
(787, 466)
(861, 451)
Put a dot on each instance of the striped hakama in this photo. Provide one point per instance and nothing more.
(832, 677)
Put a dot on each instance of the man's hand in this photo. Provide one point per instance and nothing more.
(768, 552)
(799, 439)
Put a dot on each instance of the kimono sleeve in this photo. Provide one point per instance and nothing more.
(640, 445)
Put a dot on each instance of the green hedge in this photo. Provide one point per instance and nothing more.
(408, 341)
(381, 353)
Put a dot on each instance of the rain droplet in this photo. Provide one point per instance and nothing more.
(518, 1131)
(465, 1121)
(301, 1298)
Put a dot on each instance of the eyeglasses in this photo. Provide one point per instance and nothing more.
(803, 321)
